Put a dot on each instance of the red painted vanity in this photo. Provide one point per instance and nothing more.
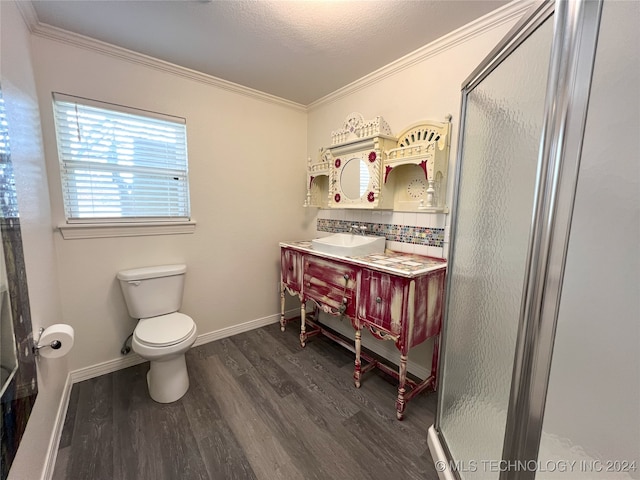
(396, 296)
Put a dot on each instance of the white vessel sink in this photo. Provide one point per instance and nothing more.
(349, 245)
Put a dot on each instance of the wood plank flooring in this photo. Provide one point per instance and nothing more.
(259, 407)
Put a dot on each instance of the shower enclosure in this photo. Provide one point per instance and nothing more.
(540, 365)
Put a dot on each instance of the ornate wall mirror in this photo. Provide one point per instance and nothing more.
(367, 167)
(17, 362)
(355, 178)
(357, 164)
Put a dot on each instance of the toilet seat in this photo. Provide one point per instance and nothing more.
(164, 330)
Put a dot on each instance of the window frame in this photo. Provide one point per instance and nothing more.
(97, 227)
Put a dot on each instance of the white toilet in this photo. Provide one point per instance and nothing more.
(162, 336)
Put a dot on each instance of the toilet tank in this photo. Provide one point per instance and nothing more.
(153, 291)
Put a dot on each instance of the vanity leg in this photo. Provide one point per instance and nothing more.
(282, 320)
(434, 362)
(357, 370)
(400, 402)
(303, 328)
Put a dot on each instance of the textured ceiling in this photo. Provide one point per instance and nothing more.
(297, 50)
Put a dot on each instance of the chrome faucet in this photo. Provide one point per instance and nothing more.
(361, 229)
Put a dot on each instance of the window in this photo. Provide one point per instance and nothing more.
(118, 164)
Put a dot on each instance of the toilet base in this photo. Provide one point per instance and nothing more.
(168, 379)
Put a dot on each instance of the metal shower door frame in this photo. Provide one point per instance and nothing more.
(576, 25)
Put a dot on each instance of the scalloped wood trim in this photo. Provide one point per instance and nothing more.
(425, 132)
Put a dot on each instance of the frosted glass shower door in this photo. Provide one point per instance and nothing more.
(503, 121)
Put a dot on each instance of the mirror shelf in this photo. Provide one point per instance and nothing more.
(366, 167)
(318, 173)
(427, 145)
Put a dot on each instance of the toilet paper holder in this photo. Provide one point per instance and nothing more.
(55, 345)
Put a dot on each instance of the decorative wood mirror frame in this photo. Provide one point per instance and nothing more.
(423, 189)
(368, 154)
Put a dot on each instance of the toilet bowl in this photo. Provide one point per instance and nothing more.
(164, 340)
(162, 335)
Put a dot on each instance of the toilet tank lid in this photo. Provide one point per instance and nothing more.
(151, 272)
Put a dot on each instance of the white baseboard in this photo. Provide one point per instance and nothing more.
(106, 367)
(54, 442)
(440, 460)
(240, 328)
(134, 359)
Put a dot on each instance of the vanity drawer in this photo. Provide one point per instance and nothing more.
(329, 282)
(380, 300)
(291, 268)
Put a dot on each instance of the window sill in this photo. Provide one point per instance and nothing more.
(103, 230)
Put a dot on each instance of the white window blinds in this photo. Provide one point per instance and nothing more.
(120, 164)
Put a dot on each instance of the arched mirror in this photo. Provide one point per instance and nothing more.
(354, 178)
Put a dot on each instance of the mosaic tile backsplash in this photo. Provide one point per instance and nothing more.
(433, 237)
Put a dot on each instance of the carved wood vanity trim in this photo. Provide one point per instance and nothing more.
(397, 297)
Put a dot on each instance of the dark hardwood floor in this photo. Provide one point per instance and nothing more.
(259, 407)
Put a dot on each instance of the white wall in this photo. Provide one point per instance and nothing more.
(19, 92)
(246, 162)
(427, 89)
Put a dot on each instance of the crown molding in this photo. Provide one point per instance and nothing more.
(492, 20)
(49, 32)
(28, 13)
(498, 17)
